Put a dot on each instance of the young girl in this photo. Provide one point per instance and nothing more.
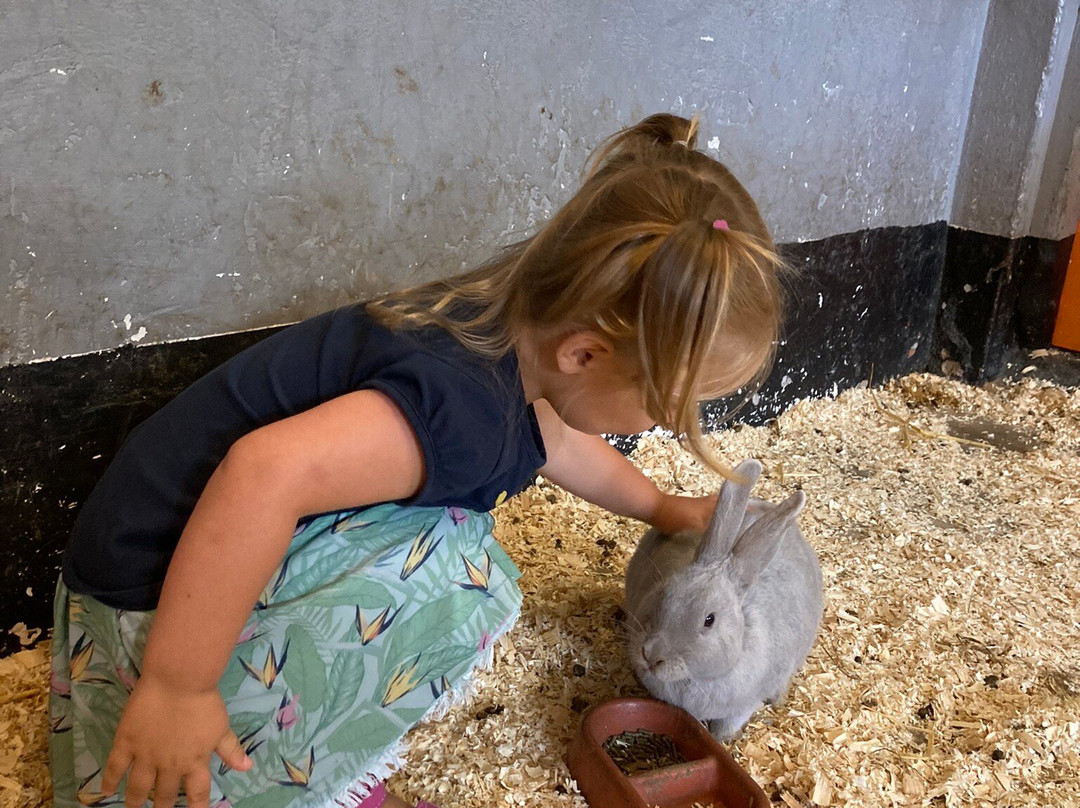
(292, 562)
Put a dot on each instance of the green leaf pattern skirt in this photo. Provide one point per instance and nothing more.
(374, 618)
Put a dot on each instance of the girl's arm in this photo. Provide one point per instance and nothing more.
(591, 468)
(354, 450)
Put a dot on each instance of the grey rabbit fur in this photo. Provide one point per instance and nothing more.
(718, 622)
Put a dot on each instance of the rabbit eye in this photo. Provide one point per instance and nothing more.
(710, 618)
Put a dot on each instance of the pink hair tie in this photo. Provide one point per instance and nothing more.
(720, 224)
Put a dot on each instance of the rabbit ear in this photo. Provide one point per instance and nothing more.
(758, 544)
(728, 515)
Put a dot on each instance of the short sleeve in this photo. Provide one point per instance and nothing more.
(479, 439)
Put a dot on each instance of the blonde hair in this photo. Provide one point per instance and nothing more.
(661, 250)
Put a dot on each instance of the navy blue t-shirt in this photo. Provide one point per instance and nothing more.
(479, 438)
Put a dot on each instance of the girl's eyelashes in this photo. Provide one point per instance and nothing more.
(710, 618)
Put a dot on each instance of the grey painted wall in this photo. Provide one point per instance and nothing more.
(172, 171)
(1020, 170)
(1057, 203)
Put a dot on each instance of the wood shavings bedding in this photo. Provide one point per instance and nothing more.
(947, 671)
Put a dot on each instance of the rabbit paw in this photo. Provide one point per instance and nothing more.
(727, 729)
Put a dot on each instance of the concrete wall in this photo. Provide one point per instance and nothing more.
(169, 171)
(1057, 202)
(1020, 170)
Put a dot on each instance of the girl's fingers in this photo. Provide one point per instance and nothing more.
(197, 787)
(232, 753)
(115, 767)
(140, 781)
(166, 789)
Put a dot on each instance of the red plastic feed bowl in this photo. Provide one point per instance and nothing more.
(709, 777)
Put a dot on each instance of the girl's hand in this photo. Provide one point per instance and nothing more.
(675, 513)
(165, 737)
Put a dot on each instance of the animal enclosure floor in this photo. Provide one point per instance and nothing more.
(947, 671)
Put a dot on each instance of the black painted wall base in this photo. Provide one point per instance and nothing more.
(999, 298)
(864, 307)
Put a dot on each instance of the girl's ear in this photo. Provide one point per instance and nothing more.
(581, 351)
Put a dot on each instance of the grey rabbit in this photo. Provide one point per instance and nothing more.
(719, 622)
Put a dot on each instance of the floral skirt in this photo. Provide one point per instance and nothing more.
(373, 619)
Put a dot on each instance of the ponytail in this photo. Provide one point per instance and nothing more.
(639, 255)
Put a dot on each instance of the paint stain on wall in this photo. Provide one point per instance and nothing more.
(153, 94)
(405, 82)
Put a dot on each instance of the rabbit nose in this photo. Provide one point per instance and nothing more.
(648, 653)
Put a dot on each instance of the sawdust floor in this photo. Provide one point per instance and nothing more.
(947, 672)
